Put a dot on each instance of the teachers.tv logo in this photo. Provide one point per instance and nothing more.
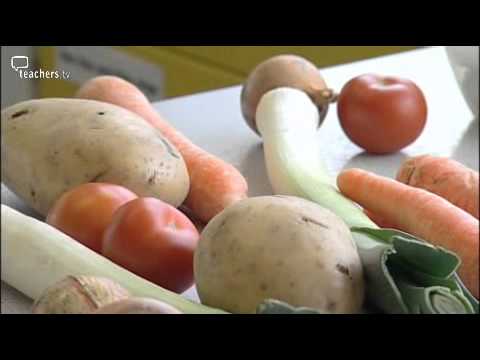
(21, 65)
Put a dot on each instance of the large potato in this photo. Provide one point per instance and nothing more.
(52, 145)
(282, 248)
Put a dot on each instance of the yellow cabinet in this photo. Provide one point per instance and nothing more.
(170, 71)
(241, 59)
(157, 71)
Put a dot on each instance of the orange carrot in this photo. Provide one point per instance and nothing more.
(420, 213)
(381, 222)
(444, 177)
(214, 184)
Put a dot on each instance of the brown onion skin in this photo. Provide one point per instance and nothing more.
(282, 71)
(79, 295)
(141, 306)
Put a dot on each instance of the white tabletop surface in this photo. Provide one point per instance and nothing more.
(213, 121)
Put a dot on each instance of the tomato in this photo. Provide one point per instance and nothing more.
(155, 241)
(85, 211)
(382, 114)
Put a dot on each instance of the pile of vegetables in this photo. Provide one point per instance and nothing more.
(214, 184)
(35, 256)
(135, 213)
(404, 274)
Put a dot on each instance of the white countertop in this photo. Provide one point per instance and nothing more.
(213, 121)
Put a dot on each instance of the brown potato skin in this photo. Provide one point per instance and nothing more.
(278, 247)
(50, 146)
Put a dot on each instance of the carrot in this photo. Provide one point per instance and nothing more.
(420, 213)
(381, 222)
(214, 184)
(444, 177)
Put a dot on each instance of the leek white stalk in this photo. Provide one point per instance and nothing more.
(288, 120)
(36, 255)
(398, 279)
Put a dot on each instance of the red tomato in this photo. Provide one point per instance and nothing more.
(382, 114)
(155, 241)
(85, 211)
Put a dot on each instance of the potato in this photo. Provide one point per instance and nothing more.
(50, 146)
(278, 247)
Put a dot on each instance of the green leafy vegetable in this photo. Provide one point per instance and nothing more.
(423, 275)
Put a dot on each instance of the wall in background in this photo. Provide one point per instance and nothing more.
(13, 88)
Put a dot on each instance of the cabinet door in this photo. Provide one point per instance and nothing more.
(157, 71)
